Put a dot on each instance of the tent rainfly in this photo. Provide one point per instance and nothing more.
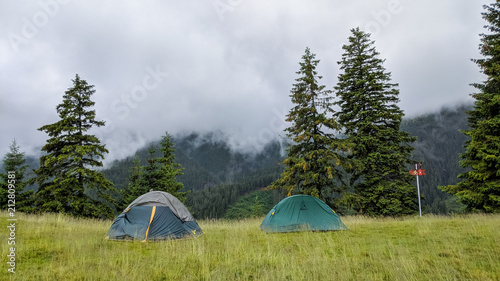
(301, 213)
(156, 215)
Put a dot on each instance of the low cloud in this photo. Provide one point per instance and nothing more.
(222, 65)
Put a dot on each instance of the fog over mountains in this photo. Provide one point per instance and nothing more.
(222, 178)
(207, 66)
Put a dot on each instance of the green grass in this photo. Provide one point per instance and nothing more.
(56, 247)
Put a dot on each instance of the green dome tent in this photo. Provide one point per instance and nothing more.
(301, 213)
(155, 215)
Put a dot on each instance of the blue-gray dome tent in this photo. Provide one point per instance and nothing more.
(156, 215)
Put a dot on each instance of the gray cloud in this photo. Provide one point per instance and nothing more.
(224, 65)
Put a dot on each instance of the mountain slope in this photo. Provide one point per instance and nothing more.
(438, 147)
(217, 176)
(207, 161)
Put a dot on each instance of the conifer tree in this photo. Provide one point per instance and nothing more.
(480, 185)
(311, 164)
(160, 174)
(14, 164)
(136, 187)
(66, 181)
(370, 117)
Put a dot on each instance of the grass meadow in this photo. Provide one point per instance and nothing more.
(57, 247)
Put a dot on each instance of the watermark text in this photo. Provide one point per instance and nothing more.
(11, 222)
(31, 26)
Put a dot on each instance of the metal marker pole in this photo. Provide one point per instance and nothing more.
(418, 191)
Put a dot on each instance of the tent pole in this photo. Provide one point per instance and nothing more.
(418, 191)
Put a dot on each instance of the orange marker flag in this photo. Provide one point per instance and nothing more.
(418, 172)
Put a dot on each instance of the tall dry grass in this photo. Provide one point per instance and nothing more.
(56, 247)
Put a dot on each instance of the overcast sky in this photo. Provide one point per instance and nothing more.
(226, 65)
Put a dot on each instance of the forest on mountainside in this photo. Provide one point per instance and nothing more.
(217, 176)
(207, 162)
(438, 147)
(222, 181)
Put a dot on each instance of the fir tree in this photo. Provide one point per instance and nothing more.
(160, 174)
(151, 172)
(136, 187)
(480, 185)
(66, 181)
(14, 165)
(370, 117)
(313, 156)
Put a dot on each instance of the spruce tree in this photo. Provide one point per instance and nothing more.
(370, 117)
(480, 185)
(14, 165)
(67, 182)
(135, 188)
(160, 174)
(313, 156)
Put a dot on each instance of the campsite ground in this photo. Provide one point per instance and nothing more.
(56, 247)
